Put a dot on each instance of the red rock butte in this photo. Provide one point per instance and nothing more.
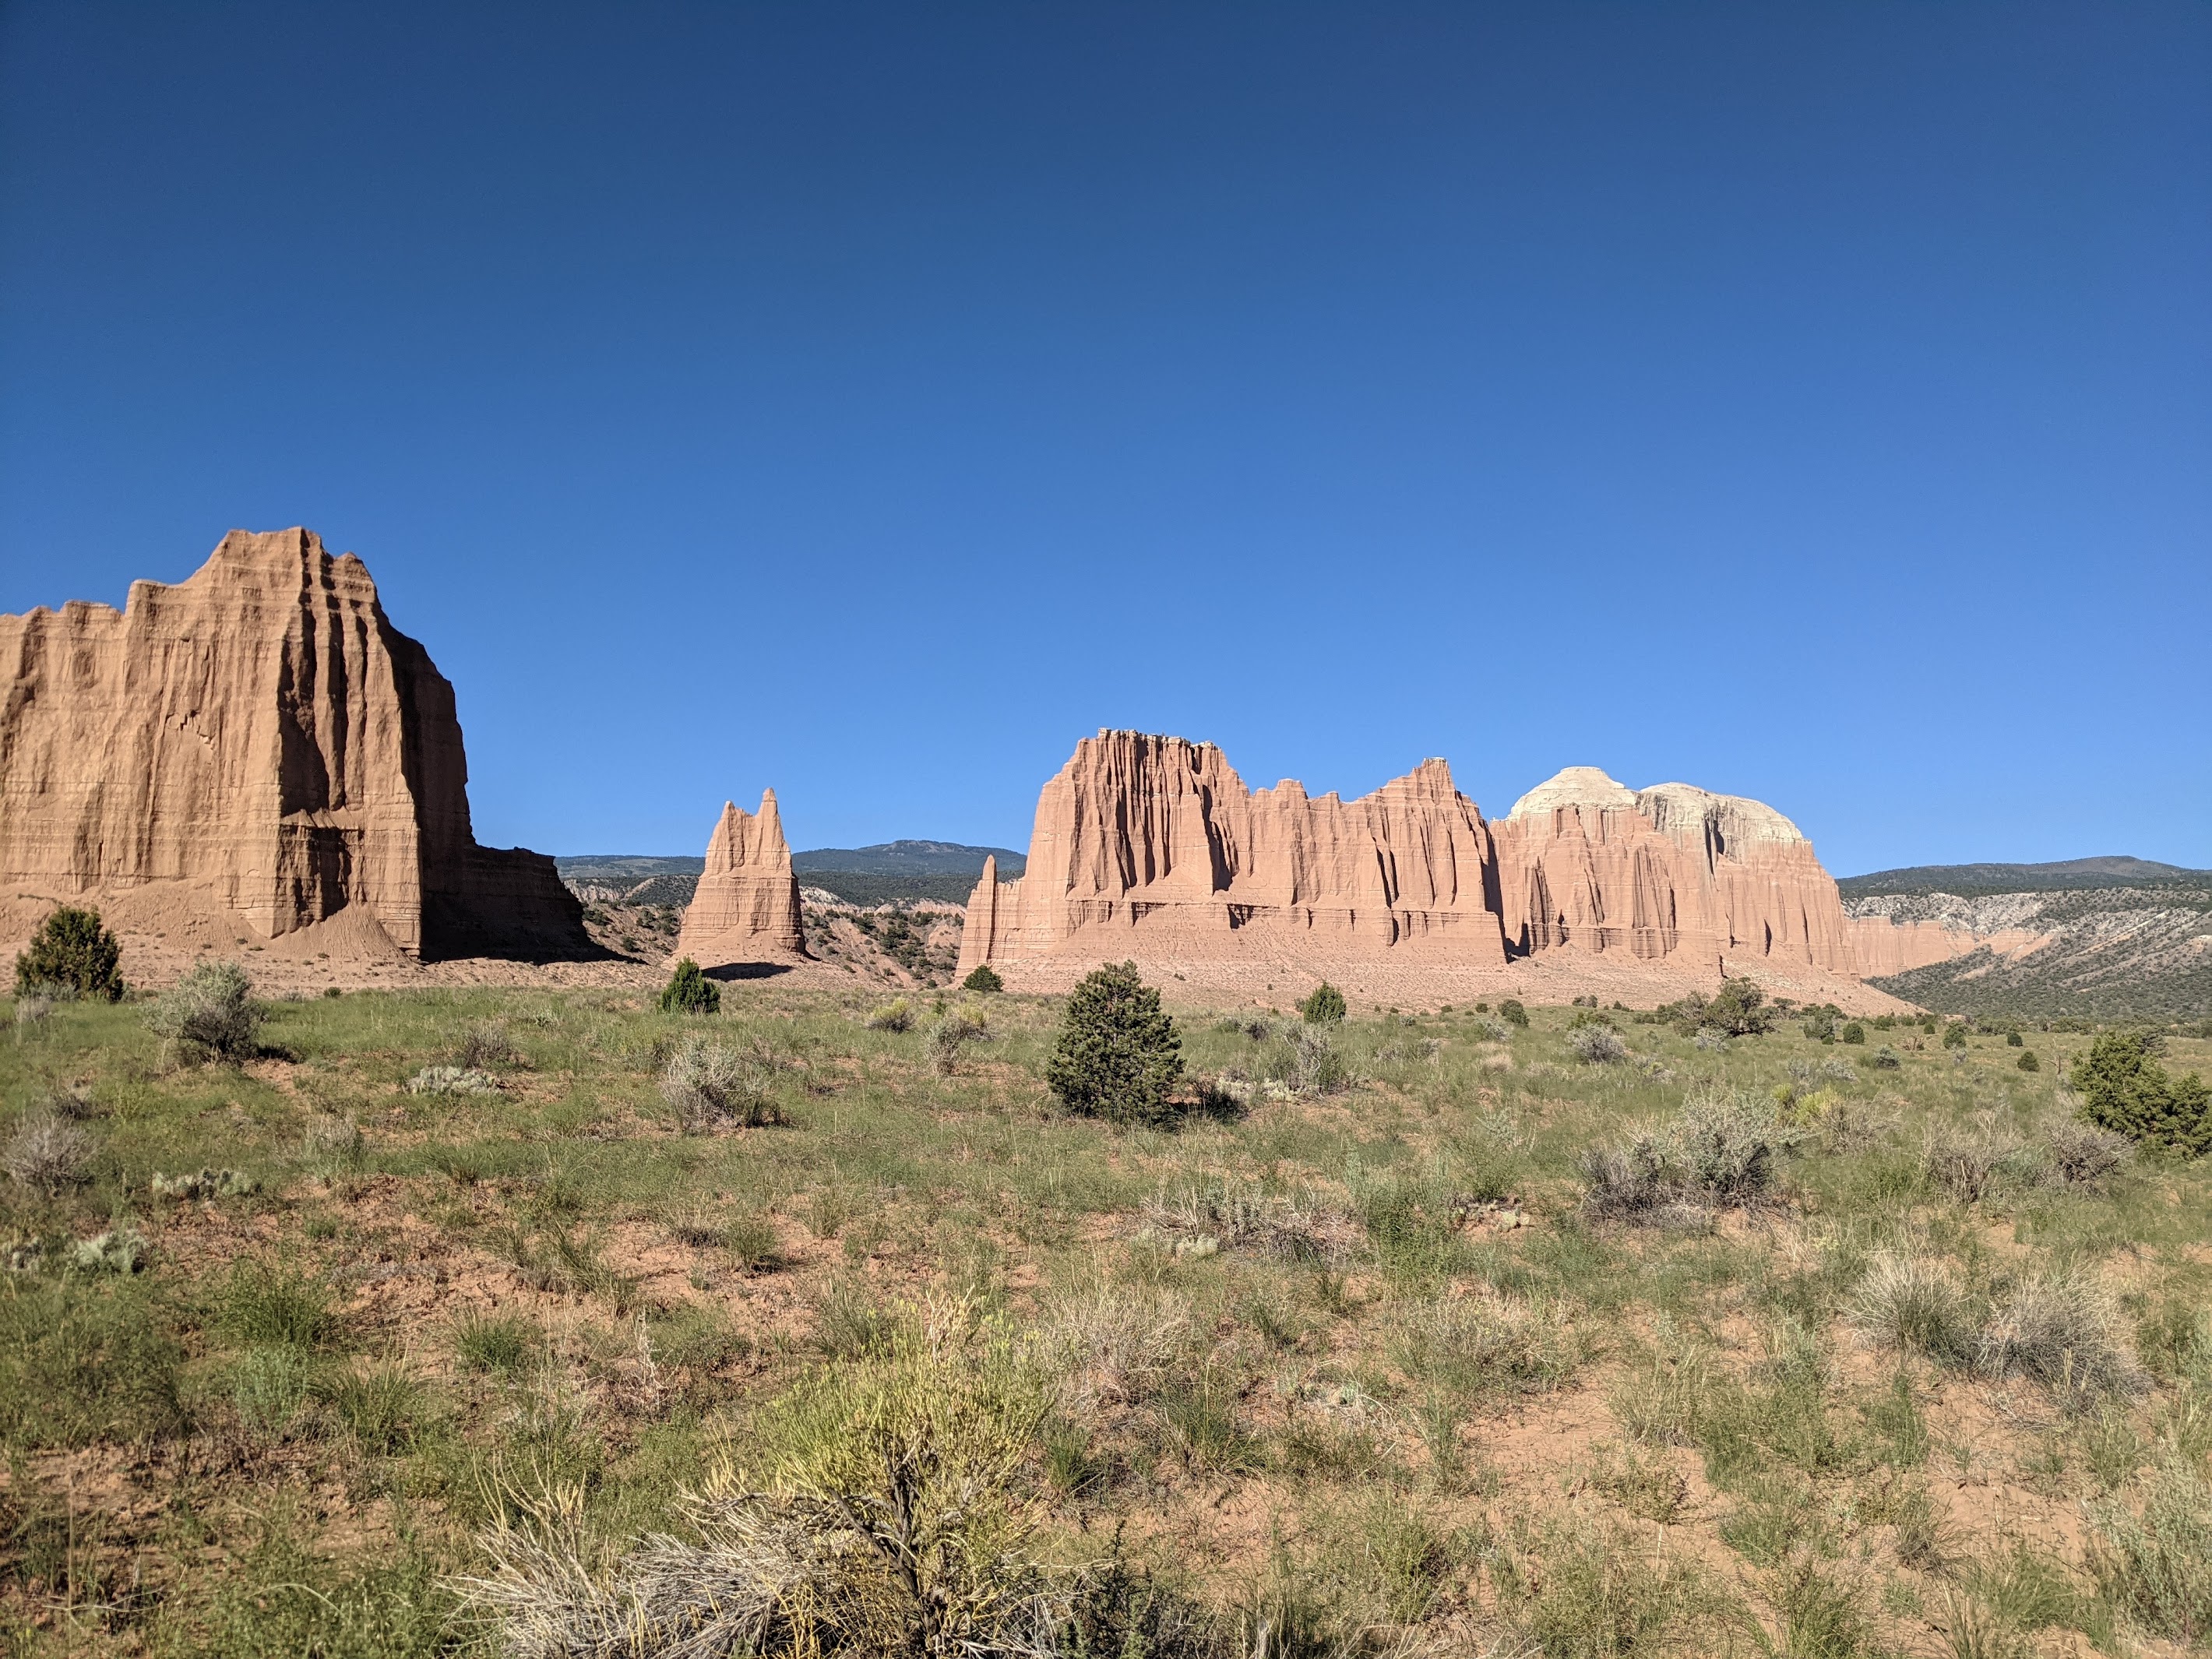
(255, 754)
(1153, 848)
(745, 910)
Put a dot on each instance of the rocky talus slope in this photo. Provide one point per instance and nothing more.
(254, 757)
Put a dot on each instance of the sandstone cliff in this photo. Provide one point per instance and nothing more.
(1154, 846)
(1586, 864)
(259, 742)
(745, 908)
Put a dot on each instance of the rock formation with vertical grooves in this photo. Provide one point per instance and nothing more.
(257, 744)
(745, 908)
(1152, 846)
(1151, 849)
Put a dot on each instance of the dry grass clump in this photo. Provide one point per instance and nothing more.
(1488, 1345)
(2153, 1561)
(209, 1015)
(1968, 1166)
(47, 1152)
(330, 1136)
(710, 1087)
(452, 1080)
(1115, 1342)
(1224, 1215)
(1910, 1303)
(2059, 1330)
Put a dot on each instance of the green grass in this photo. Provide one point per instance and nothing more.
(1322, 1418)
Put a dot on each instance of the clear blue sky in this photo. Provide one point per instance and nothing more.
(1809, 401)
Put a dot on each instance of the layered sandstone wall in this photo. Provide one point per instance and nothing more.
(1586, 863)
(1153, 844)
(746, 908)
(1152, 848)
(260, 735)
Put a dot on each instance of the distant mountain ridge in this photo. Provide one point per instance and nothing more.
(910, 858)
(2116, 937)
(2066, 876)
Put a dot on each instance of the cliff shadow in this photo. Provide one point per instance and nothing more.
(737, 971)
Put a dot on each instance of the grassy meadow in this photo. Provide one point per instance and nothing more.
(1436, 1336)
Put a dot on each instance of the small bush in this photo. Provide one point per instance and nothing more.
(1967, 1166)
(1911, 1304)
(1324, 1006)
(1316, 1068)
(984, 980)
(1597, 1045)
(1885, 1059)
(209, 1015)
(1489, 1030)
(1853, 1032)
(897, 1015)
(269, 1307)
(709, 1087)
(47, 1152)
(1719, 1150)
(486, 1045)
(381, 1408)
(1955, 1034)
(2082, 1155)
(2028, 1061)
(2125, 1089)
(688, 991)
(72, 949)
(2013, 1040)
(952, 1034)
(1513, 1013)
(269, 1388)
(1118, 1056)
(197, 1185)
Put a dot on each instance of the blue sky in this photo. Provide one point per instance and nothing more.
(1807, 402)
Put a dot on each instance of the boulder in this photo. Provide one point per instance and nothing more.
(259, 745)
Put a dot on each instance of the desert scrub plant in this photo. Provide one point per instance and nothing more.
(1969, 1166)
(209, 1015)
(688, 991)
(1596, 1044)
(71, 949)
(983, 980)
(1118, 1056)
(1324, 1005)
(1513, 1013)
(707, 1086)
(46, 1152)
(951, 1034)
(2081, 1155)
(1316, 1066)
(1487, 1347)
(485, 1045)
(881, 1512)
(2061, 1331)
(264, 1306)
(897, 1015)
(1113, 1342)
(382, 1407)
(1910, 1303)
(1718, 1152)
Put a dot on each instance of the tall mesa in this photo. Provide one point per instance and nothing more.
(257, 742)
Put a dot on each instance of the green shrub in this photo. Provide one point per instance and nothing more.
(72, 949)
(1854, 1033)
(985, 979)
(897, 1015)
(2013, 1040)
(2028, 1061)
(270, 1307)
(688, 991)
(1513, 1013)
(2123, 1088)
(1739, 1010)
(1118, 1055)
(1325, 1006)
(1955, 1034)
(209, 1015)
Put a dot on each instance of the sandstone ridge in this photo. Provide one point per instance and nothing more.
(1153, 848)
(746, 907)
(252, 756)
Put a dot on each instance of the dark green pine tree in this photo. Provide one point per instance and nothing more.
(1118, 1056)
(72, 949)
